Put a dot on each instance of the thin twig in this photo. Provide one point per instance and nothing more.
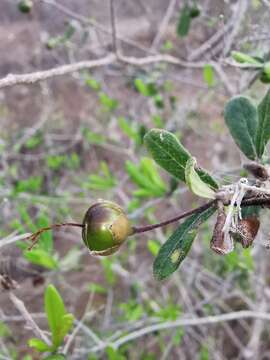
(93, 23)
(252, 348)
(237, 315)
(246, 202)
(163, 25)
(113, 26)
(179, 217)
(31, 78)
(35, 236)
(227, 83)
(237, 19)
(13, 238)
(28, 318)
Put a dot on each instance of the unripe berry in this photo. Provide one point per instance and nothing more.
(194, 12)
(105, 228)
(25, 6)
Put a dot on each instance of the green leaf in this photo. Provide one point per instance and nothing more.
(70, 30)
(153, 246)
(242, 119)
(55, 310)
(27, 357)
(128, 129)
(66, 324)
(55, 357)
(61, 39)
(46, 239)
(34, 141)
(108, 103)
(250, 211)
(208, 75)
(176, 248)
(207, 178)
(146, 177)
(92, 137)
(149, 169)
(263, 130)
(184, 22)
(194, 182)
(92, 83)
(32, 184)
(105, 181)
(114, 354)
(26, 218)
(266, 69)
(169, 153)
(146, 89)
(245, 59)
(55, 162)
(4, 330)
(38, 344)
(96, 288)
(265, 78)
(169, 312)
(204, 353)
(41, 257)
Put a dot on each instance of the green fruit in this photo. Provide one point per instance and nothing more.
(25, 6)
(194, 12)
(105, 228)
(265, 78)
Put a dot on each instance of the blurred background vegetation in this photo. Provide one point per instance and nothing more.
(70, 140)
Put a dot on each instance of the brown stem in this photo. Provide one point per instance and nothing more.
(35, 236)
(137, 230)
(247, 202)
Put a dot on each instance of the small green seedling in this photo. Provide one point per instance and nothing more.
(103, 180)
(60, 322)
(147, 178)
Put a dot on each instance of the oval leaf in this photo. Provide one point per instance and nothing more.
(38, 344)
(208, 75)
(242, 119)
(263, 130)
(171, 155)
(66, 325)
(245, 59)
(55, 310)
(167, 151)
(176, 248)
(205, 177)
(184, 22)
(194, 182)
